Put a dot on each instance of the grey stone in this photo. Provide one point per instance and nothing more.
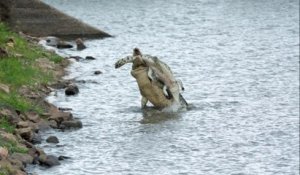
(52, 139)
(72, 124)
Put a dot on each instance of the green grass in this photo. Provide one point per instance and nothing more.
(19, 68)
(12, 146)
(4, 124)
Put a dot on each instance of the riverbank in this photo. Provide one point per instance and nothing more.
(28, 73)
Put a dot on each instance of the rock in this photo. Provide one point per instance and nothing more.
(52, 41)
(61, 116)
(63, 157)
(17, 164)
(11, 115)
(23, 124)
(77, 58)
(3, 153)
(65, 109)
(49, 160)
(53, 124)
(43, 125)
(61, 84)
(36, 138)
(72, 124)
(80, 45)
(24, 158)
(4, 88)
(97, 72)
(72, 90)
(33, 116)
(64, 45)
(25, 133)
(89, 58)
(8, 136)
(52, 139)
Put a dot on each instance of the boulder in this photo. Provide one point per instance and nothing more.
(72, 124)
(36, 138)
(11, 115)
(25, 133)
(52, 139)
(33, 116)
(24, 158)
(59, 116)
(80, 45)
(23, 124)
(53, 124)
(49, 160)
(72, 89)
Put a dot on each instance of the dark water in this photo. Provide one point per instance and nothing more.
(239, 62)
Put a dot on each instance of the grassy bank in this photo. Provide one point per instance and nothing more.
(19, 68)
(20, 72)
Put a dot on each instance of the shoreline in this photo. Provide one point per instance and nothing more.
(20, 127)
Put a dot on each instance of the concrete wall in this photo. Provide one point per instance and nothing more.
(36, 18)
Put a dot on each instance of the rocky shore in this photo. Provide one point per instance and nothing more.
(23, 119)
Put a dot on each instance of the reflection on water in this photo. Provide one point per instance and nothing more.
(239, 63)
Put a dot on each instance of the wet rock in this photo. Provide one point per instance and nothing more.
(49, 160)
(80, 45)
(72, 124)
(89, 58)
(64, 45)
(24, 158)
(53, 124)
(43, 125)
(72, 90)
(4, 88)
(52, 139)
(64, 109)
(63, 157)
(97, 72)
(36, 138)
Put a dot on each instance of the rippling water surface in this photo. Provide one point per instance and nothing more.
(239, 62)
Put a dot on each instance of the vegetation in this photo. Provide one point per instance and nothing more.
(18, 68)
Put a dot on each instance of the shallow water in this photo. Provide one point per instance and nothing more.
(239, 63)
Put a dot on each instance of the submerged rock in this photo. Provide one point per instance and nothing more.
(80, 45)
(71, 124)
(48, 160)
(52, 139)
(72, 90)
(97, 72)
(90, 58)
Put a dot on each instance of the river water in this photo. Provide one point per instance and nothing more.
(239, 63)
